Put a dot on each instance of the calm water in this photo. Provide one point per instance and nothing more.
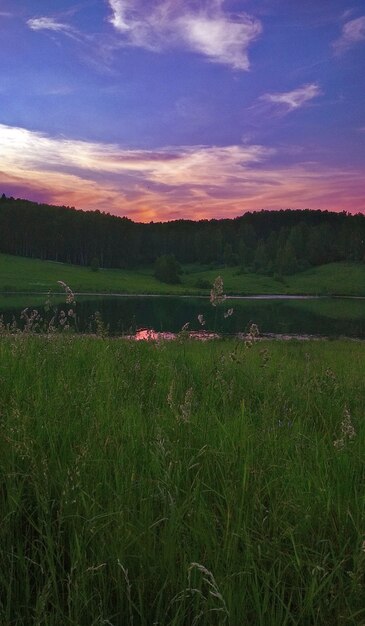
(331, 317)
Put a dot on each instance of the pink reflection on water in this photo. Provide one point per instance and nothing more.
(148, 334)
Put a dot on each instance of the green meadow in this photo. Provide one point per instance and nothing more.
(181, 483)
(33, 275)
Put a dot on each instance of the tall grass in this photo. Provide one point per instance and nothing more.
(181, 483)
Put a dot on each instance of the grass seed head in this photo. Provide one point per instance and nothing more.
(70, 296)
(252, 335)
(185, 407)
(347, 426)
(347, 430)
(216, 294)
(170, 396)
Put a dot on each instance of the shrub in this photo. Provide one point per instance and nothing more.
(167, 269)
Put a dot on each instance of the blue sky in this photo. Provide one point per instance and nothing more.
(167, 109)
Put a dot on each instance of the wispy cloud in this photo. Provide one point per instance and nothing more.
(353, 32)
(93, 50)
(168, 183)
(58, 91)
(48, 23)
(201, 27)
(295, 99)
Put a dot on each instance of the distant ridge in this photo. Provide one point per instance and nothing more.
(281, 241)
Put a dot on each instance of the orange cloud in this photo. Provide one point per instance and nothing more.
(192, 182)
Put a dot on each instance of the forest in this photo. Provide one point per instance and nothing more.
(269, 242)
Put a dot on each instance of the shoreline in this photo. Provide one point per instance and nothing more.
(257, 296)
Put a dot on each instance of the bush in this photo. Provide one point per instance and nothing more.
(167, 269)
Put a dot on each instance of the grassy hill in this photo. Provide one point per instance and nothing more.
(32, 275)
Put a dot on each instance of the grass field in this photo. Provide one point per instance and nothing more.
(21, 274)
(181, 483)
(334, 278)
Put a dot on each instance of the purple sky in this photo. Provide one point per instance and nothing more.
(165, 109)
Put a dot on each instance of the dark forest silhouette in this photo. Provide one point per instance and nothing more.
(268, 242)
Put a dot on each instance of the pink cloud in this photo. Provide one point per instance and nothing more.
(188, 182)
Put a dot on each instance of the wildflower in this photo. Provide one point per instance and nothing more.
(216, 295)
(185, 327)
(201, 320)
(228, 313)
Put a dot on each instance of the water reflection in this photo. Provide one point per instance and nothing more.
(148, 334)
(319, 317)
(150, 318)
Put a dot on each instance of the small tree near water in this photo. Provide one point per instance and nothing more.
(167, 269)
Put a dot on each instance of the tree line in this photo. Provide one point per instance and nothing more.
(268, 242)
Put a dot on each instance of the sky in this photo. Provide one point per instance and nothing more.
(183, 109)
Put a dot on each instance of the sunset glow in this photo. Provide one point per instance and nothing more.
(167, 110)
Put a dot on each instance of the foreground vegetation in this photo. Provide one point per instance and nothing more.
(181, 483)
(32, 275)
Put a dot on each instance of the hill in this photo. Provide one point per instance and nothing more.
(32, 275)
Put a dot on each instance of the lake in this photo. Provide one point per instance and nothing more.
(328, 317)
